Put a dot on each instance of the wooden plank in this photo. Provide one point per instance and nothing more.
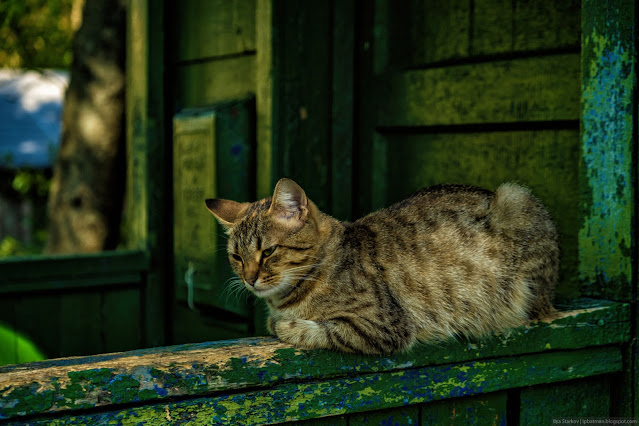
(542, 24)
(80, 324)
(503, 27)
(343, 110)
(63, 266)
(121, 325)
(303, 114)
(65, 284)
(425, 33)
(148, 183)
(363, 392)
(209, 146)
(37, 318)
(322, 421)
(608, 145)
(198, 369)
(521, 90)
(588, 398)
(394, 416)
(492, 27)
(208, 28)
(484, 409)
(195, 240)
(265, 99)
(439, 31)
(546, 161)
(212, 82)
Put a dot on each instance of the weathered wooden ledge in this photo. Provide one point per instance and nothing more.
(262, 380)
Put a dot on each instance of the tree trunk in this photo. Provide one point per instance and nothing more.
(85, 201)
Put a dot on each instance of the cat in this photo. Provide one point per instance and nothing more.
(448, 261)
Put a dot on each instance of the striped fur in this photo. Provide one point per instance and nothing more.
(447, 261)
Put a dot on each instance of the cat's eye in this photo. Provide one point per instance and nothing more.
(269, 251)
(237, 257)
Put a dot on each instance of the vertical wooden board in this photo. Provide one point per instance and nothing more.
(542, 24)
(146, 223)
(343, 109)
(121, 320)
(194, 180)
(38, 319)
(608, 144)
(235, 180)
(264, 100)
(323, 421)
(211, 82)
(80, 324)
(219, 144)
(365, 104)
(545, 161)
(492, 29)
(488, 409)
(439, 30)
(586, 398)
(208, 28)
(235, 151)
(394, 416)
(304, 116)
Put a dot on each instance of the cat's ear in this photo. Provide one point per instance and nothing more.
(289, 205)
(226, 212)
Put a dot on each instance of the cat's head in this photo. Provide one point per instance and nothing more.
(272, 243)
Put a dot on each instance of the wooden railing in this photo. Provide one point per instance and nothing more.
(262, 380)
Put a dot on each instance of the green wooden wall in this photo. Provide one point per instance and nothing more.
(475, 92)
(211, 62)
(71, 305)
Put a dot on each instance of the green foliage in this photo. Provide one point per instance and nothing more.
(37, 33)
(31, 181)
(10, 246)
(15, 348)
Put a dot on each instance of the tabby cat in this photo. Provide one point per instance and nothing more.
(450, 260)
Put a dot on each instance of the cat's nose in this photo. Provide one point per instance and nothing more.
(251, 280)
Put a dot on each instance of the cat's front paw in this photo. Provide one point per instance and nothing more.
(304, 334)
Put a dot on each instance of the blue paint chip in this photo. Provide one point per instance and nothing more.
(160, 391)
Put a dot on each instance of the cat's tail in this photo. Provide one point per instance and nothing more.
(516, 212)
(520, 217)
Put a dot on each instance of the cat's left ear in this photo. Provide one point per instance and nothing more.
(227, 212)
(289, 205)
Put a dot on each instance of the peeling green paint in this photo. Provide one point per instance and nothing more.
(375, 391)
(260, 363)
(607, 202)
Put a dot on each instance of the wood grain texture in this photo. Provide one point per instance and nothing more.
(518, 90)
(428, 33)
(210, 145)
(364, 392)
(484, 409)
(587, 398)
(265, 363)
(148, 183)
(607, 182)
(210, 28)
(211, 82)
